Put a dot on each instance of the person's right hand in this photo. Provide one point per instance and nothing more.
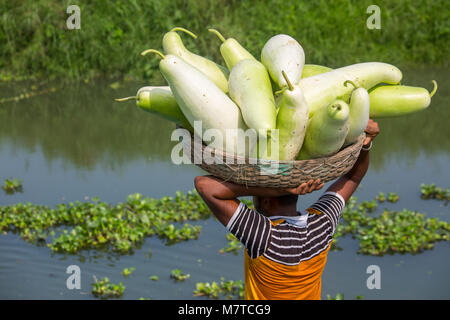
(306, 187)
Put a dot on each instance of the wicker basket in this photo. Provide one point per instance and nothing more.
(275, 174)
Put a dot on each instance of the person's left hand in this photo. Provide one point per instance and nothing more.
(372, 130)
(306, 187)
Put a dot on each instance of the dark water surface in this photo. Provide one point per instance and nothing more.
(77, 143)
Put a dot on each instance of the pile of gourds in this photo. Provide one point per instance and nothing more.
(314, 110)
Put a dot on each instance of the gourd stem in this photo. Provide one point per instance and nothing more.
(434, 89)
(126, 99)
(351, 82)
(184, 30)
(280, 91)
(291, 87)
(217, 33)
(154, 51)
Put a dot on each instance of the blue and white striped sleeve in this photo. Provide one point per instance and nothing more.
(331, 204)
(251, 228)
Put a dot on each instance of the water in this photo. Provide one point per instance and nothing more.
(77, 143)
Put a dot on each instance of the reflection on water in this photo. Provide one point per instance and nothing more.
(85, 127)
(82, 125)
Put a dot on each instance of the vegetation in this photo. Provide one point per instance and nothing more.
(105, 289)
(127, 271)
(177, 275)
(401, 231)
(392, 197)
(11, 186)
(121, 228)
(72, 227)
(340, 296)
(97, 225)
(230, 289)
(36, 42)
(430, 191)
(392, 231)
(110, 135)
(234, 245)
(380, 197)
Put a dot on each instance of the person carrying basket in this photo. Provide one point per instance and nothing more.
(286, 250)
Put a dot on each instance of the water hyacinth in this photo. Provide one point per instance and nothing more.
(177, 275)
(430, 191)
(381, 197)
(105, 289)
(392, 197)
(401, 231)
(340, 296)
(230, 289)
(69, 228)
(392, 231)
(11, 186)
(72, 227)
(234, 245)
(127, 271)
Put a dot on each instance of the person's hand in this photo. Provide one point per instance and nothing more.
(306, 187)
(371, 131)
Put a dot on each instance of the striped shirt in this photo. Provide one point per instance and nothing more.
(283, 242)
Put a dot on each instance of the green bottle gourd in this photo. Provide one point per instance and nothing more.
(359, 113)
(172, 44)
(251, 89)
(292, 119)
(160, 101)
(310, 70)
(394, 101)
(322, 89)
(201, 100)
(326, 131)
(231, 50)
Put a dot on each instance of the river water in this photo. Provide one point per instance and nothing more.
(78, 143)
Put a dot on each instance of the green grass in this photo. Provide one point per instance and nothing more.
(35, 41)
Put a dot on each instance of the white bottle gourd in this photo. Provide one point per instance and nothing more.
(200, 99)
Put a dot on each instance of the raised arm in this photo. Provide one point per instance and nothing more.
(222, 196)
(347, 184)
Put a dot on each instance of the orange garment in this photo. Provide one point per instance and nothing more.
(269, 280)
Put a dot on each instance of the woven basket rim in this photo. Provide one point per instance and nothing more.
(355, 147)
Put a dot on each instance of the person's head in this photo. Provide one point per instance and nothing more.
(275, 205)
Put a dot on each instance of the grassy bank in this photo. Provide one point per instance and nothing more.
(35, 41)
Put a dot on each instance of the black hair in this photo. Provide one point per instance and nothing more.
(288, 199)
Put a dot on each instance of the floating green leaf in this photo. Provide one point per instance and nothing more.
(105, 289)
(230, 289)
